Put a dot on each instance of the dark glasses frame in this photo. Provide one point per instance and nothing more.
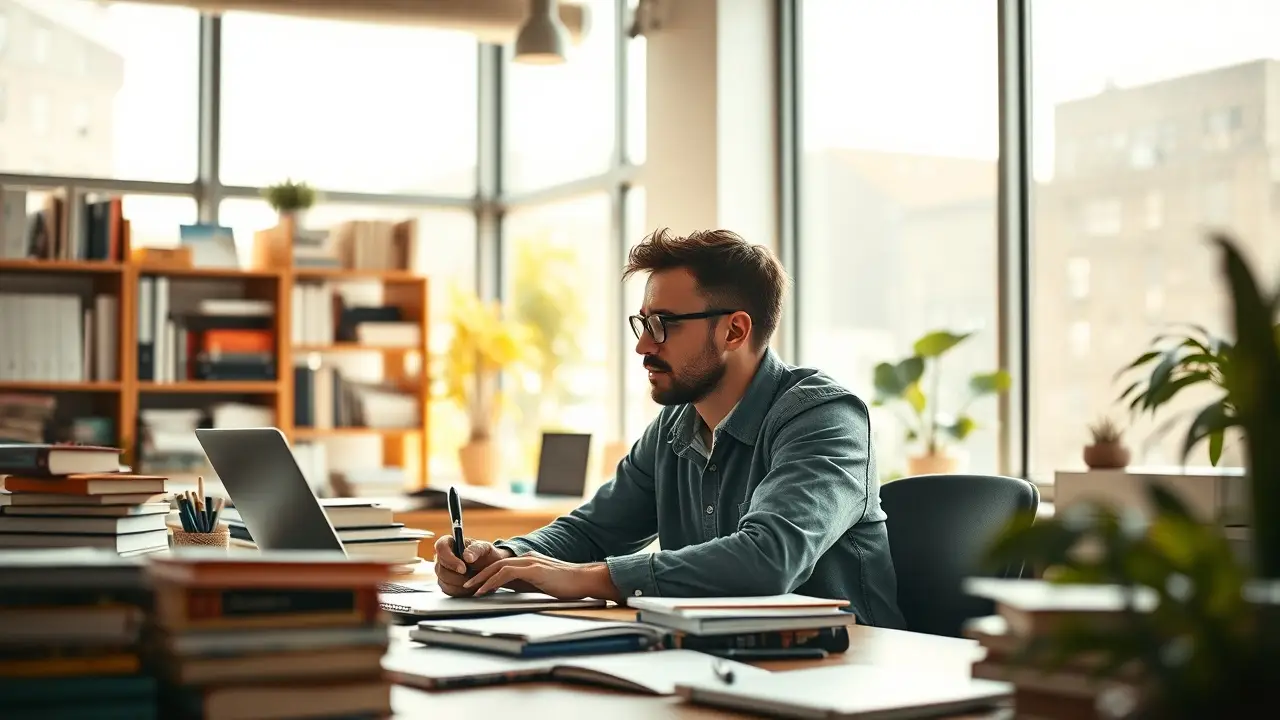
(656, 325)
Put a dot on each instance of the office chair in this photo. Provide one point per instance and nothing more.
(939, 528)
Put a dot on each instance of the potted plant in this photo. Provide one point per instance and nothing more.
(484, 345)
(902, 382)
(289, 199)
(1210, 645)
(1176, 362)
(1107, 451)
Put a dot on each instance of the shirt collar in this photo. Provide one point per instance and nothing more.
(744, 420)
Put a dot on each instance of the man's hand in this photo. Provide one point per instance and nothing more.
(451, 573)
(563, 580)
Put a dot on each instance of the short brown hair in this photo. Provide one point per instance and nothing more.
(731, 272)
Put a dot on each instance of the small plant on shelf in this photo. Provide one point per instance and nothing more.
(1107, 451)
(289, 197)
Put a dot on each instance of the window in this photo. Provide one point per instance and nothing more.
(1180, 78)
(560, 119)
(80, 119)
(154, 219)
(637, 74)
(4, 32)
(640, 407)
(40, 114)
(1154, 210)
(446, 251)
(561, 275)
(1103, 218)
(1078, 278)
(41, 39)
(143, 90)
(899, 209)
(348, 106)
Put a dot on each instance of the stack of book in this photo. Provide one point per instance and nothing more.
(1027, 610)
(58, 496)
(368, 531)
(776, 624)
(276, 634)
(70, 635)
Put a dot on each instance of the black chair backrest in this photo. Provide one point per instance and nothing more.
(939, 528)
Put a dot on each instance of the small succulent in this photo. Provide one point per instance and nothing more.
(1106, 432)
(290, 196)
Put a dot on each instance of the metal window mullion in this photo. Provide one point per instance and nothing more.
(787, 27)
(489, 181)
(1014, 234)
(208, 180)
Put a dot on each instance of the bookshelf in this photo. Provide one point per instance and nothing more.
(123, 396)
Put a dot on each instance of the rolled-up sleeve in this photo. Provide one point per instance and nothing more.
(621, 518)
(814, 491)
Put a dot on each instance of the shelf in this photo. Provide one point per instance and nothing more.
(402, 276)
(74, 267)
(53, 386)
(354, 347)
(260, 387)
(314, 433)
(210, 272)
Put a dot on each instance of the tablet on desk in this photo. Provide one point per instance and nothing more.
(437, 605)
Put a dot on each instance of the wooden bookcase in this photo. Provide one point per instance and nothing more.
(407, 448)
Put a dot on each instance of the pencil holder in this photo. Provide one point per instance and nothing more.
(220, 536)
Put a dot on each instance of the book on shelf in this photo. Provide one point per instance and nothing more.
(217, 339)
(59, 337)
(80, 226)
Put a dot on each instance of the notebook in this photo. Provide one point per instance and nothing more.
(535, 635)
(735, 615)
(502, 602)
(655, 672)
(865, 692)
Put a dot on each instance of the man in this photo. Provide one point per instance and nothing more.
(757, 478)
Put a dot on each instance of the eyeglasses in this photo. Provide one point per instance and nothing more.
(656, 325)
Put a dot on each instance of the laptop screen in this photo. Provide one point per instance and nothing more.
(562, 464)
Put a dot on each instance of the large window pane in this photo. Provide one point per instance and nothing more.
(348, 106)
(637, 96)
(562, 273)
(1163, 131)
(899, 207)
(559, 119)
(639, 405)
(98, 90)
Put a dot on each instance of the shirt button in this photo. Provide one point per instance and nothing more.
(712, 468)
(638, 593)
(711, 509)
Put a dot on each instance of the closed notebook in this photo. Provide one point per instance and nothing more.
(425, 606)
(655, 673)
(537, 635)
(865, 692)
(88, 484)
(731, 615)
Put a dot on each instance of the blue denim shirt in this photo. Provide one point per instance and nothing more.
(786, 501)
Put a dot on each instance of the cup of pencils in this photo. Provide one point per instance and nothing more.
(199, 515)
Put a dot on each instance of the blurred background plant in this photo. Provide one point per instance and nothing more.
(1210, 644)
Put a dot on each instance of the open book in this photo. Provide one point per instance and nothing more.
(849, 691)
(537, 635)
(654, 672)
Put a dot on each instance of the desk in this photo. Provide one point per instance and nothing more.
(480, 523)
(867, 646)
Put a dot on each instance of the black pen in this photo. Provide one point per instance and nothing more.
(761, 654)
(455, 517)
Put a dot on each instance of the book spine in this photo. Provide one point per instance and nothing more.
(33, 461)
(834, 640)
(215, 604)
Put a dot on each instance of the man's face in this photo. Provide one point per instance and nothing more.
(689, 363)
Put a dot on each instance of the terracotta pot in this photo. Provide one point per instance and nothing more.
(1106, 456)
(932, 464)
(479, 462)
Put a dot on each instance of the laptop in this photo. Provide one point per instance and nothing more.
(277, 505)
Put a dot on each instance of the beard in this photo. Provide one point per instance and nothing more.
(692, 383)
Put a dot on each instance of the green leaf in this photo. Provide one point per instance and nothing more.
(914, 397)
(1159, 376)
(1130, 389)
(961, 428)
(1141, 360)
(1166, 391)
(1215, 446)
(990, 383)
(1212, 418)
(885, 378)
(1165, 502)
(938, 342)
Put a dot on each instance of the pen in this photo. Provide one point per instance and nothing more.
(455, 517)
(760, 654)
(722, 671)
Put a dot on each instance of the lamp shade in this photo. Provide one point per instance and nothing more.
(543, 40)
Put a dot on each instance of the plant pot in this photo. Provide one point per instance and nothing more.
(932, 464)
(1106, 456)
(479, 462)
